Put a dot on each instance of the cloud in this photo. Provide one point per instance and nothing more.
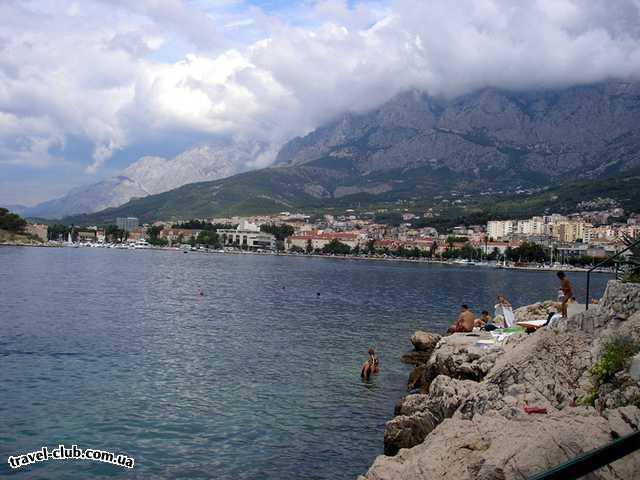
(119, 73)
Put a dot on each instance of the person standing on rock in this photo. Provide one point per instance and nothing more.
(567, 293)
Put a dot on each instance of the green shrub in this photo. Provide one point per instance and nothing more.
(616, 354)
(614, 358)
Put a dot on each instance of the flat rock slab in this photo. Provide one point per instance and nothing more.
(492, 447)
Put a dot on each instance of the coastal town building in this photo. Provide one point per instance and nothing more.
(179, 235)
(500, 229)
(137, 234)
(88, 235)
(127, 223)
(570, 231)
(37, 230)
(248, 236)
(319, 239)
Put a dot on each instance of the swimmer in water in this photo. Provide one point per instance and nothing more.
(371, 365)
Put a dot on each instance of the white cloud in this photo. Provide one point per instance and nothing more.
(104, 72)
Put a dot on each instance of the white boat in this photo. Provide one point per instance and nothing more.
(142, 243)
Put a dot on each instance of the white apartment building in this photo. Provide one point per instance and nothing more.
(500, 229)
(247, 235)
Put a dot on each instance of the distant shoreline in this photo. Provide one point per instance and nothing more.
(528, 268)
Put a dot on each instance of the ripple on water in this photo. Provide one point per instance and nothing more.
(249, 381)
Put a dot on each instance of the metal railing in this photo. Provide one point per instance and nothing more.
(605, 261)
(592, 460)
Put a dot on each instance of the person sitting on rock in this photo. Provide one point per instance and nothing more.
(465, 321)
(371, 365)
(484, 320)
(504, 310)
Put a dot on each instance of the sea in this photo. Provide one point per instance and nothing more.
(220, 366)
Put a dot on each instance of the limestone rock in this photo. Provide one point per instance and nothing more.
(537, 311)
(634, 369)
(621, 300)
(459, 356)
(407, 431)
(622, 390)
(549, 369)
(419, 414)
(424, 341)
(420, 378)
(493, 447)
(416, 358)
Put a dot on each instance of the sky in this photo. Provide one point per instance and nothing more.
(89, 86)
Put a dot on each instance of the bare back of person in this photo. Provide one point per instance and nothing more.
(467, 319)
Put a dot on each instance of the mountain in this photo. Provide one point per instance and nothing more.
(98, 196)
(151, 175)
(416, 147)
(584, 130)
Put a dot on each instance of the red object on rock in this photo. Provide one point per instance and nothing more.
(535, 410)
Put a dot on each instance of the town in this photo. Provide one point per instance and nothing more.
(580, 239)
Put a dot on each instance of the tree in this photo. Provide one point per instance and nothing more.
(209, 238)
(281, 231)
(527, 252)
(371, 247)
(114, 233)
(57, 232)
(433, 248)
(336, 247)
(11, 222)
(467, 251)
(202, 225)
(296, 249)
(309, 246)
(154, 236)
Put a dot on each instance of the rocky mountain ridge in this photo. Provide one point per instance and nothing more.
(150, 176)
(416, 147)
(584, 129)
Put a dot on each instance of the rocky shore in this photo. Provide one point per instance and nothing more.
(466, 418)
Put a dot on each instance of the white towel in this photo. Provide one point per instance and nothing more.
(509, 317)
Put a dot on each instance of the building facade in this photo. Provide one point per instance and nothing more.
(247, 236)
(318, 239)
(37, 230)
(127, 223)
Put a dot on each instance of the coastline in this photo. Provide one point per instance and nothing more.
(532, 268)
(488, 406)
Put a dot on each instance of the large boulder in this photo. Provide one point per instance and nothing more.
(424, 341)
(492, 447)
(536, 311)
(419, 379)
(550, 369)
(460, 356)
(419, 414)
(621, 300)
(416, 358)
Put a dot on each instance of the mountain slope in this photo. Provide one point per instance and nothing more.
(415, 147)
(152, 175)
(549, 133)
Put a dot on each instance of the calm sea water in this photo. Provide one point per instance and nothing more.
(258, 378)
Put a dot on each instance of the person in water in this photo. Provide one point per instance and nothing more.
(465, 321)
(567, 292)
(371, 365)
